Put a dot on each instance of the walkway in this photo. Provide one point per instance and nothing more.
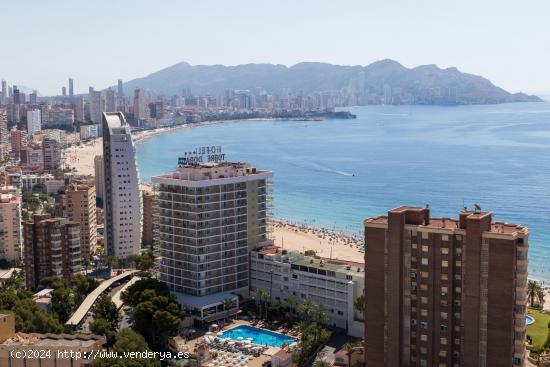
(116, 297)
(89, 301)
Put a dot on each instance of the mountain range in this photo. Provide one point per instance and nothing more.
(385, 81)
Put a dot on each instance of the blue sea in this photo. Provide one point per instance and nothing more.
(335, 173)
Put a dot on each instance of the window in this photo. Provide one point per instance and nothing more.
(424, 312)
(424, 248)
(424, 261)
(444, 263)
(424, 300)
(424, 274)
(444, 277)
(424, 337)
(444, 250)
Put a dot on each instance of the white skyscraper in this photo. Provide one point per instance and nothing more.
(122, 201)
(96, 106)
(34, 121)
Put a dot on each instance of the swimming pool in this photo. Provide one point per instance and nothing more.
(259, 336)
(529, 320)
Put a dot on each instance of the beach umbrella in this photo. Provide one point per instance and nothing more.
(249, 339)
(219, 334)
(240, 338)
(209, 333)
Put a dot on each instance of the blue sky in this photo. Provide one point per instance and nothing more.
(99, 41)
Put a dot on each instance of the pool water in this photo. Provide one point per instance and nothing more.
(259, 336)
(529, 320)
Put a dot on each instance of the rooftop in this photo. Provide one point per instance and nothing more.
(297, 258)
(449, 223)
(54, 340)
(212, 171)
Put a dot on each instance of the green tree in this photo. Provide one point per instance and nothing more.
(533, 289)
(105, 309)
(320, 363)
(127, 340)
(103, 327)
(63, 303)
(145, 260)
(165, 325)
(359, 304)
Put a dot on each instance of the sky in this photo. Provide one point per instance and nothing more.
(97, 42)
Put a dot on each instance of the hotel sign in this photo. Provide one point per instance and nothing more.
(206, 154)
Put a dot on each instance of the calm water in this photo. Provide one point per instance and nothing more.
(335, 173)
(258, 336)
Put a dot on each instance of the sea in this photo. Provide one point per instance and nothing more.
(336, 173)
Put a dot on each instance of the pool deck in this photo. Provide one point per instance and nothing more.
(255, 362)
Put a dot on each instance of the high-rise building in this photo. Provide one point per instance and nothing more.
(4, 93)
(10, 224)
(120, 94)
(149, 212)
(71, 88)
(64, 91)
(51, 248)
(18, 140)
(95, 105)
(110, 100)
(122, 197)
(80, 208)
(4, 137)
(16, 95)
(51, 154)
(34, 121)
(79, 109)
(140, 107)
(33, 97)
(449, 292)
(210, 217)
(99, 177)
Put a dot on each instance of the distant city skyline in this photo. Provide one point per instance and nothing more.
(96, 46)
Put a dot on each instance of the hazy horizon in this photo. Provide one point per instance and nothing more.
(96, 45)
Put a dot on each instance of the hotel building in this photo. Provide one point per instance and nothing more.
(209, 218)
(10, 224)
(333, 284)
(51, 248)
(122, 198)
(447, 292)
(149, 213)
(51, 153)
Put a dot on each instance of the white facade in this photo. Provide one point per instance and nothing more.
(333, 284)
(89, 132)
(122, 202)
(210, 216)
(28, 181)
(34, 121)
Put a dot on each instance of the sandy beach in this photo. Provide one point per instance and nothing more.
(301, 238)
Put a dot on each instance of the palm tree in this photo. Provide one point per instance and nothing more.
(263, 296)
(305, 310)
(227, 304)
(359, 304)
(349, 348)
(532, 291)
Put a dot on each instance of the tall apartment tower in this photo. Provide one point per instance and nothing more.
(51, 248)
(149, 214)
(122, 201)
(4, 93)
(96, 106)
(51, 153)
(79, 109)
(110, 100)
(140, 107)
(80, 208)
(120, 94)
(210, 217)
(99, 177)
(34, 121)
(4, 134)
(71, 88)
(10, 225)
(18, 140)
(449, 292)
